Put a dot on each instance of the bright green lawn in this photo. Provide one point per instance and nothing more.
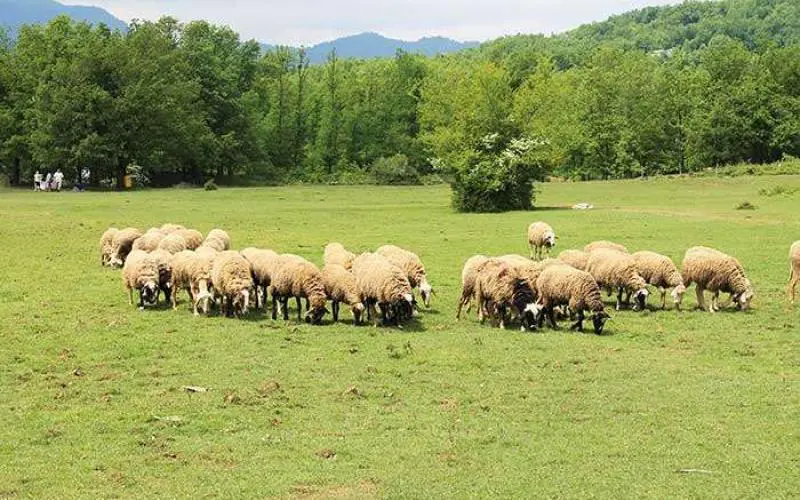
(92, 389)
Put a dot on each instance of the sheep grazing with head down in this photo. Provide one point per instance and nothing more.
(529, 270)
(299, 279)
(171, 228)
(659, 271)
(232, 281)
(541, 239)
(469, 275)
(794, 268)
(567, 286)
(575, 258)
(122, 244)
(340, 286)
(215, 244)
(191, 271)
(163, 261)
(263, 264)
(218, 239)
(192, 237)
(385, 285)
(107, 245)
(412, 265)
(616, 270)
(149, 241)
(501, 289)
(337, 254)
(716, 272)
(604, 245)
(173, 243)
(140, 272)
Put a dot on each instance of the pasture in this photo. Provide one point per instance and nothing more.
(93, 390)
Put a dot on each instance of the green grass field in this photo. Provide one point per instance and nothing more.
(93, 399)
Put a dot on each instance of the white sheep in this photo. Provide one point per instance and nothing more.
(219, 239)
(337, 254)
(263, 264)
(340, 286)
(604, 245)
(149, 241)
(192, 272)
(468, 277)
(107, 245)
(575, 258)
(232, 281)
(173, 243)
(122, 244)
(140, 272)
(659, 271)
(616, 270)
(541, 237)
(794, 268)
(383, 284)
(171, 228)
(192, 237)
(412, 265)
(567, 286)
(716, 272)
(299, 279)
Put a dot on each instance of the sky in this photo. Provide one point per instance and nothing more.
(307, 22)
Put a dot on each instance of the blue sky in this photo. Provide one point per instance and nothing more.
(306, 22)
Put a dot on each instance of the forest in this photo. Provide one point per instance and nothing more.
(662, 90)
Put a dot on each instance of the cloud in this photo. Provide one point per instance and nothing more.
(311, 21)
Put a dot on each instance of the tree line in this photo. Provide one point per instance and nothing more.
(657, 91)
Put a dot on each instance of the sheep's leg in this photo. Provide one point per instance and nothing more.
(701, 300)
(501, 314)
(715, 301)
(372, 314)
(299, 308)
(274, 306)
(551, 317)
(619, 299)
(130, 296)
(335, 311)
(533, 252)
(141, 299)
(663, 297)
(579, 324)
(285, 307)
(794, 279)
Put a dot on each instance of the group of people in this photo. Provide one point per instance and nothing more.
(50, 182)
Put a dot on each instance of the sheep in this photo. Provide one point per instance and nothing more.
(794, 268)
(163, 261)
(149, 241)
(192, 237)
(168, 229)
(192, 272)
(140, 272)
(230, 276)
(565, 285)
(340, 286)
(468, 277)
(412, 265)
(716, 272)
(299, 279)
(336, 253)
(207, 251)
(215, 244)
(541, 237)
(574, 258)
(499, 287)
(381, 283)
(604, 245)
(122, 244)
(107, 245)
(221, 237)
(263, 263)
(173, 243)
(613, 269)
(659, 271)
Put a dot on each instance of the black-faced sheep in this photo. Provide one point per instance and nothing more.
(412, 265)
(565, 285)
(107, 245)
(340, 286)
(299, 279)
(163, 261)
(616, 270)
(501, 289)
(140, 272)
(541, 239)
(232, 281)
(716, 272)
(659, 271)
(383, 284)
(122, 244)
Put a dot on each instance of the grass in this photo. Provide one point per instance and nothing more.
(93, 390)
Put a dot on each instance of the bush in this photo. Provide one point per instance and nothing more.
(395, 171)
(210, 185)
(778, 190)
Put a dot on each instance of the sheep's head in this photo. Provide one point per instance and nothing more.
(315, 315)
(241, 302)
(550, 239)
(426, 290)
(530, 316)
(115, 261)
(404, 308)
(641, 299)
(743, 299)
(599, 319)
(677, 295)
(149, 293)
(358, 311)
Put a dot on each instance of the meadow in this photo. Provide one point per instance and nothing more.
(665, 404)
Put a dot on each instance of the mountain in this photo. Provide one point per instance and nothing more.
(15, 13)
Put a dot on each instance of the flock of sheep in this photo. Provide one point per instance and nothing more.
(172, 258)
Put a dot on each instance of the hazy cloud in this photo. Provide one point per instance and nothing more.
(309, 22)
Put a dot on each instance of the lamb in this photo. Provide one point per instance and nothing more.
(230, 276)
(122, 244)
(500, 287)
(604, 245)
(468, 277)
(381, 283)
(192, 237)
(613, 269)
(340, 286)
(168, 229)
(299, 279)
(412, 265)
(217, 236)
(149, 241)
(173, 243)
(140, 272)
(794, 268)
(564, 285)
(192, 272)
(163, 261)
(263, 264)
(107, 245)
(337, 254)
(659, 271)
(541, 237)
(575, 258)
(716, 272)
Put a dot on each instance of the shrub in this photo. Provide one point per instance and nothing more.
(395, 170)
(778, 190)
(210, 185)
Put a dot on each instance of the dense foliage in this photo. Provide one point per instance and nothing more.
(656, 91)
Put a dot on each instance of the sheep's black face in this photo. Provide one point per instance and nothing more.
(315, 315)
(149, 294)
(599, 321)
(641, 299)
(530, 317)
(241, 302)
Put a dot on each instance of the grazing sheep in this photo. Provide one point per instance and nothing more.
(163, 261)
(192, 238)
(337, 254)
(468, 277)
(140, 272)
(381, 283)
(107, 245)
(230, 276)
(565, 285)
(173, 243)
(616, 270)
(716, 272)
(192, 272)
(168, 229)
(575, 258)
(215, 244)
(263, 264)
(221, 237)
(299, 279)
(412, 265)
(149, 241)
(207, 251)
(659, 271)
(340, 286)
(541, 237)
(794, 271)
(604, 245)
(500, 287)
(122, 244)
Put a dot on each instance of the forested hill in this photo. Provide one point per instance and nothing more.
(15, 13)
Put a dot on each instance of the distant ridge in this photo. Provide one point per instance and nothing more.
(15, 13)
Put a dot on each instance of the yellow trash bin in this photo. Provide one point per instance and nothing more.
(128, 181)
